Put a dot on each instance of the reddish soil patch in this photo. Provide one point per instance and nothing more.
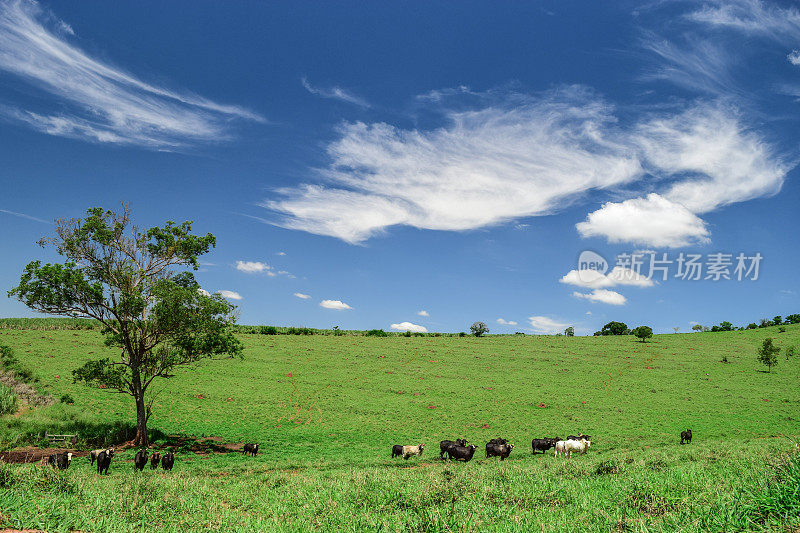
(31, 454)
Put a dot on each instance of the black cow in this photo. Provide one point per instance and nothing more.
(544, 444)
(140, 460)
(60, 460)
(104, 461)
(154, 460)
(167, 461)
(461, 453)
(686, 436)
(494, 449)
(250, 449)
(445, 444)
(397, 450)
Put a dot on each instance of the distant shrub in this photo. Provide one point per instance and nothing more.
(407, 334)
(724, 359)
(9, 362)
(768, 354)
(8, 400)
(790, 351)
(462, 334)
(268, 330)
(615, 328)
(376, 333)
(782, 329)
(479, 328)
(643, 332)
(66, 398)
(299, 331)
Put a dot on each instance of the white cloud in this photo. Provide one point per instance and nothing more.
(593, 279)
(653, 220)
(752, 17)
(700, 65)
(334, 304)
(252, 267)
(281, 253)
(336, 93)
(588, 312)
(302, 296)
(230, 295)
(204, 292)
(520, 157)
(543, 324)
(505, 322)
(23, 215)
(423, 313)
(408, 326)
(99, 102)
(602, 296)
(725, 162)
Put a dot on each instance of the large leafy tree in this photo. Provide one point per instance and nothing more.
(135, 283)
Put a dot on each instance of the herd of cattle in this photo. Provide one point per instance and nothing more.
(103, 458)
(458, 450)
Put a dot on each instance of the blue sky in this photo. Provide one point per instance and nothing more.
(423, 162)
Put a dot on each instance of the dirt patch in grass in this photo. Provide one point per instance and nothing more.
(31, 454)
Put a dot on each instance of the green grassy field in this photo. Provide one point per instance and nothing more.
(326, 410)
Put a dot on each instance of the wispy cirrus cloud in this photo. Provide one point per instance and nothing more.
(23, 215)
(302, 296)
(750, 16)
(95, 100)
(520, 157)
(335, 93)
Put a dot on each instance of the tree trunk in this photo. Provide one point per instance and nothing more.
(141, 412)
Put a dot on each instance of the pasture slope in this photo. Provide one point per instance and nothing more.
(326, 410)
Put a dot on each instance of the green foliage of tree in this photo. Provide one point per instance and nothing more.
(615, 328)
(697, 327)
(569, 332)
(793, 318)
(643, 332)
(752, 325)
(768, 354)
(478, 328)
(790, 351)
(125, 278)
(777, 321)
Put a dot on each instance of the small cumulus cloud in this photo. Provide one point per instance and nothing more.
(281, 253)
(594, 279)
(544, 324)
(423, 313)
(230, 295)
(334, 304)
(252, 267)
(602, 296)
(505, 322)
(302, 296)
(204, 292)
(794, 57)
(408, 326)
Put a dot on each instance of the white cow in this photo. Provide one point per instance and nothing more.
(408, 451)
(566, 447)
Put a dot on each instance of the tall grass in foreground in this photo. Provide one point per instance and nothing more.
(8, 400)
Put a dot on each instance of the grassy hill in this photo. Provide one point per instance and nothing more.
(326, 410)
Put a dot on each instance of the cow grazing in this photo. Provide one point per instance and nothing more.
(250, 449)
(140, 460)
(498, 450)
(155, 459)
(567, 447)
(461, 453)
(498, 441)
(397, 450)
(445, 444)
(686, 436)
(104, 461)
(408, 451)
(167, 461)
(542, 445)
